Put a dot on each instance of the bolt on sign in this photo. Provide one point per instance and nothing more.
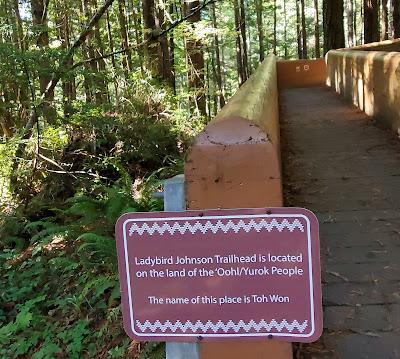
(220, 274)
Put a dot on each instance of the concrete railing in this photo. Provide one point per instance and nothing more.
(235, 163)
(301, 73)
(370, 80)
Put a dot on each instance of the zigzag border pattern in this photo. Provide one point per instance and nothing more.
(221, 326)
(230, 225)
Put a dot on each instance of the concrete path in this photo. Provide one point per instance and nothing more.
(346, 170)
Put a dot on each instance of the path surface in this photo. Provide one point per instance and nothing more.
(338, 164)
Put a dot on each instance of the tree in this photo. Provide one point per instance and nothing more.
(316, 30)
(218, 66)
(303, 30)
(350, 23)
(298, 32)
(260, 29)
(396, 19)
(195, 56)
(333, 24)
(371, 23)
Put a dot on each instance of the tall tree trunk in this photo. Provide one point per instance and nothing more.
(316, 31)
(217, 67)
(371, 21)
(39, 19)
(304, 29)
(68, 85)
(260, 29)
(138, 34)
(244, 38)
(275, 35)
(195, 57)
(355, 12)
(333, 25)
(396, 19)
(113, 62)
(385, 20)
(350, 23)
(298, 31)
(285, 45)
(172, 51)
(164, 58)
(127, 58)
(239, 49)
(21, 40)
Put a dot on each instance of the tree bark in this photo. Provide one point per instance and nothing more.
(244, 38)
(39, 19)
(316, 31)
(195, 57)
(304, 29)
(21, 40)
(218, 70)
(350, 23)
(371, 21)
(239, 50)
(298, 31)
(275, 35)
(260, 29)
(285, 45)
(333, 25)
(113, 62)
(385, 20)
(396, 19)
(164, 58)
(127, 59)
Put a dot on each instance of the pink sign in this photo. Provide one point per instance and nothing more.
(220, 274)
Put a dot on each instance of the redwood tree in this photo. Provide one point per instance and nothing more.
(371, 21)
(333, 24)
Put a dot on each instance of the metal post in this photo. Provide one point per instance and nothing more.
(174, 200)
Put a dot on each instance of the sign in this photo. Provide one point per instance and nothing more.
(220, 274)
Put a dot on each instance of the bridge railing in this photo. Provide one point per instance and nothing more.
(370, 79)
(235, 163)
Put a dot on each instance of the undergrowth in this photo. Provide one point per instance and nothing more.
(60, 294)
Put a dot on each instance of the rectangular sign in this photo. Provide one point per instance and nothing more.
(220, 274)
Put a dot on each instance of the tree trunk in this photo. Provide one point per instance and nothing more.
(113, 62)
(244, 38)
(371, 21)
(21, 40)
(298, 31)
(127, 59)
(385, 20)
(164, 58)
(355, 12)
(333, 25)
(260, 29)
(217, 67)
(396, 19)
(239, 50)
(285, 45)
(275, 35)
(39, 19)
(316, 31)
(195, 58)
(304, 29)
(350, 23)
(68, 85)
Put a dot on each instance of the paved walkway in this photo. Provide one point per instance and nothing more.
(338, 164)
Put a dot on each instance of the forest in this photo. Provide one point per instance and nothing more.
(99, 101)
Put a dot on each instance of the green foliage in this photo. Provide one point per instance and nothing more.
(61, 290)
